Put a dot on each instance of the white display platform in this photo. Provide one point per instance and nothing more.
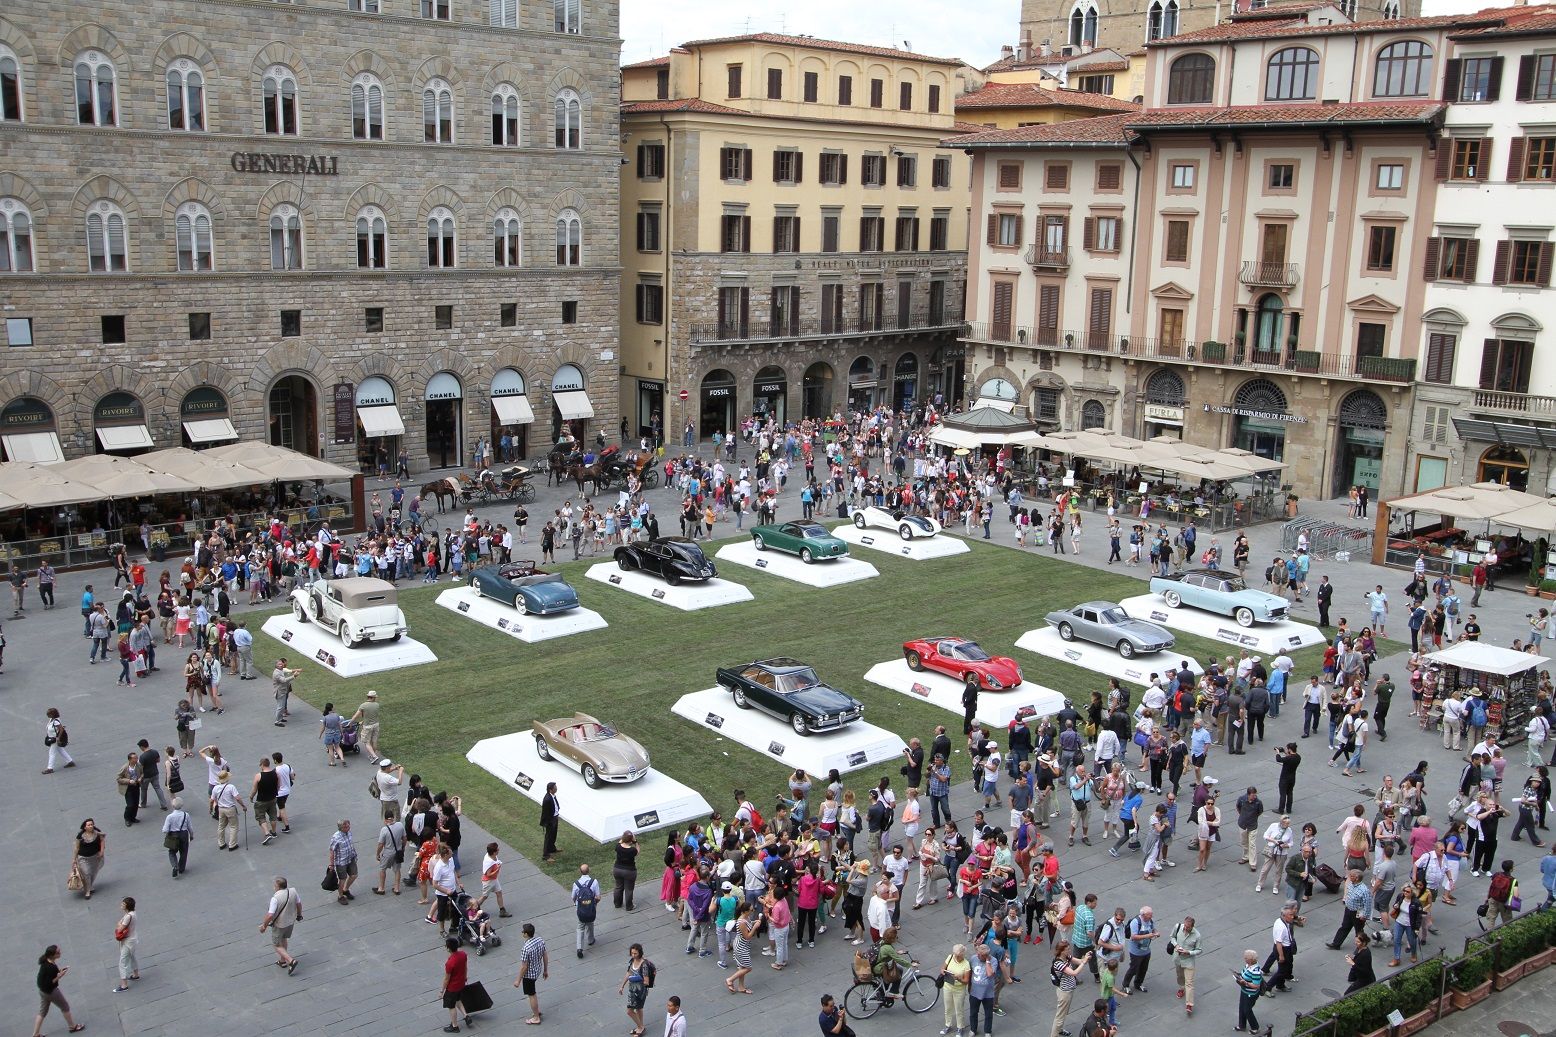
(1261, 637)
(1096, 658)
(829, 573)
(313, 643)
(653, 801)
(942, 545)
(995, 708)
(860, 744)
(688, 597)
(506, 619)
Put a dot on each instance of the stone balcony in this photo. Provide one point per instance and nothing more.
(1514, 403)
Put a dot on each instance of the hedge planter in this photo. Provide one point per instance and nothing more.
(1462, 999)
(1507, 977)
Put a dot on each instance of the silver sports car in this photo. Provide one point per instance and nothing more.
(1108, 624)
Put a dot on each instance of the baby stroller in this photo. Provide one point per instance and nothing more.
(472, 925)
(349, 737)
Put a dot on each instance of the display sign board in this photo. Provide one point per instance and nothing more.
(343, 397)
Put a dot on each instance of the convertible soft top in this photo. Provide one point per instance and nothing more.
(360, 592)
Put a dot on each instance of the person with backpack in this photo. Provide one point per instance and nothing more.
(636, 983)
(586, 903)
(55, 738)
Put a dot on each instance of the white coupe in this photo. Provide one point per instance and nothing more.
(908, 526)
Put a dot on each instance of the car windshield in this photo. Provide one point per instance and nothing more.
(1228, 583)
(813, 532)
(690, 552)
(796, 680)
(970, 651)
(1114, 616)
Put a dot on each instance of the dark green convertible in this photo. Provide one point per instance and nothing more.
(809, 540)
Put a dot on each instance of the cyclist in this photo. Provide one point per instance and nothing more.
(889, 963)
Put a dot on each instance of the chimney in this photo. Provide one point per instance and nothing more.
(1007, 51)
(1024, 50)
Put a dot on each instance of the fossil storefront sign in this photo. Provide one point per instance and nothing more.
(268, 162)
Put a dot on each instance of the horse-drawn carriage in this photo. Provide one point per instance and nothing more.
(609, 466)
(484, 487)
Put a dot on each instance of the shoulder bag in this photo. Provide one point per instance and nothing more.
(945, 974)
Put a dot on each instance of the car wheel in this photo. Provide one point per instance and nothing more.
(519, 606)
(740, 699)
(797, 722)
(1244, 617)
(905, 531)
(758, 542)
(345, 635)
(1126, 649)
(1172, 598)
(915, 661)
(300, 612)
(396, 637)
(591, 777)
(542, 750)
(625, 562)
(1066, 632)
(805, 555)
(475, 585)
(858, 520)
(673, 578)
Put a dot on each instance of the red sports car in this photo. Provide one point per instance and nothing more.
(963, 659)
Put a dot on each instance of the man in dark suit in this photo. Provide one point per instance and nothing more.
(550, 814)
(1323, 595)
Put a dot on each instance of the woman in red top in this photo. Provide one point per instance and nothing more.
(454, 985)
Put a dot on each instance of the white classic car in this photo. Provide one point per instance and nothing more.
(907, 525)
(360, 609)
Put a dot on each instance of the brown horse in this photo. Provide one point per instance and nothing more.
(594, 474)
(441, 488)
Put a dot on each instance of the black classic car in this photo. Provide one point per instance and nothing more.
(790, 691)
(672, 558)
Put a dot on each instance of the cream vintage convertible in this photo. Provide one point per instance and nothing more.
(597, 751)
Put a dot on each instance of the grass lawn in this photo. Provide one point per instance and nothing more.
(486, 683)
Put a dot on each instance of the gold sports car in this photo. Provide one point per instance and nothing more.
(597, 751)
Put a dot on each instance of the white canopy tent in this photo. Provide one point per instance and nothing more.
(1486, 658)
(1482, 500)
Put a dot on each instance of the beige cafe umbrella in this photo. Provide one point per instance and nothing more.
(121, 477)
(35, 487)
(1540, 518)
(205, 473)
(278, 462)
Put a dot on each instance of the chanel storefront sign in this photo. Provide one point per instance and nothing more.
(263, 162)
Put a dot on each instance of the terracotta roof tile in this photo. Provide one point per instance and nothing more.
(1031, 95)
(783, 40)
(1098, 66)
(1259, 30)
(650, 63)
(1294, 114)
(1104, 130)
(1279, 12)
(1520, 21)
(679, 104)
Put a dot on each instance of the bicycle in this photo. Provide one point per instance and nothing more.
(866, 997)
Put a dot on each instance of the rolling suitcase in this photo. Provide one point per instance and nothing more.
(1328, 877)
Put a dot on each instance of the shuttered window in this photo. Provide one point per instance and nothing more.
(1048, 315)
(1439, 358)
(1004, 307)
(1099, 318)
(1109, 176)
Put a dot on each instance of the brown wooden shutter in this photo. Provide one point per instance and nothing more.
(1471, 260)
(778, 233)
(1434, 248)
(994, 228)
(1107, 177)
(1004, 292)
(842, 169)
(1118, 235)
(1483, 161)
(745, 164)
(1515, 159)
(1500, 264)
(1048, 314)
(1488, 363)
(1089, 234)
(1444, 158)
(799, 166)
(777, 167)
(1099, 317)
(1453, 71)
(1021, 222)
(795, 230)
(1494, 88)
(915, 234)
(1542, 272)
(1525, 89)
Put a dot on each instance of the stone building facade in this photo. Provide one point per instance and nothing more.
(355, 228)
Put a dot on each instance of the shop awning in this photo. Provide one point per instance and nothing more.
(383, 420)
(573, 404)
(210, 430)
(1484, 658)
(125, 437)
(513, 410)
(1507, 432)
(34, 448)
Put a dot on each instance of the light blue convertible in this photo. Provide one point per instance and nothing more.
(1222, 592)
(533, 592)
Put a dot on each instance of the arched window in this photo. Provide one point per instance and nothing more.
(192, 222)
(1153, 22)
(95, 91)
(1292, 75)
(569, 239)
(505, 117)
(1267, 323)
(1261, 394)
(372, 239)
(185, 96)
(1404, 69)
(1170, 18)
(1093, 415)
(437, 112)
(15, 237)
(280, 101)
(286, 238)
(569, 120)
(1077, 27)
(1167, 388)
(1191, 79)
(106, 248)
(1089, 33)
(10, 86)
(1390, 10)
(440, 238)
(507, 238)
(367, 107)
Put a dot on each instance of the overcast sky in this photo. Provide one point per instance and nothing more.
(973, 31)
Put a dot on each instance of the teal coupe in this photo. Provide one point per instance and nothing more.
(809, 540)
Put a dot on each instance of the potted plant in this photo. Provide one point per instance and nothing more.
(1291, 505)
(1213, 352)
(1548, 589)
(1470, 979)
(1418, 992)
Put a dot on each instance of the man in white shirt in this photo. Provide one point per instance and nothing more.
(1312, 707)
(1282, 662)
(243, 641)
(390, 776)
(1453, 721)
(675, 1019)
(283, 901)
(445, 881)
(226, 800)
(1278, 841)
